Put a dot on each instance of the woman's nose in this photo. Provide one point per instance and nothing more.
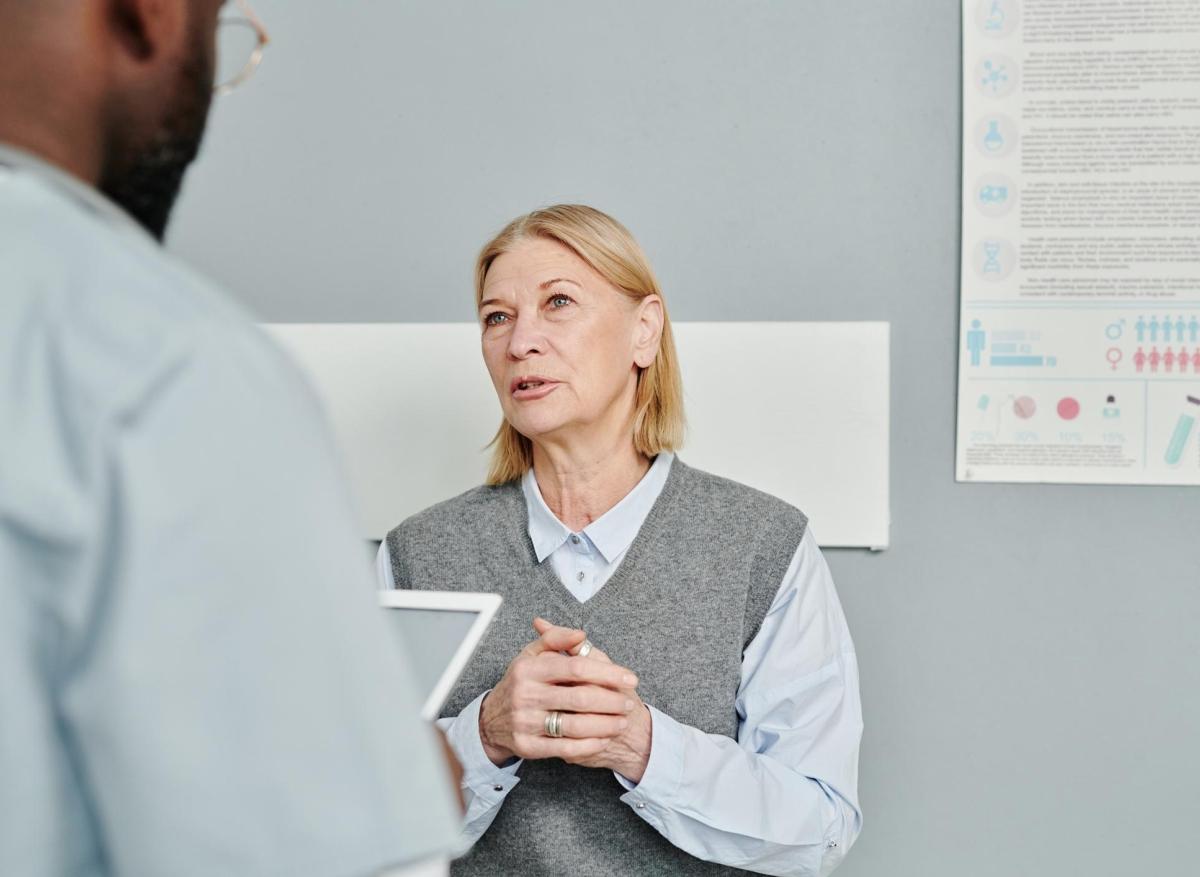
(526, 337)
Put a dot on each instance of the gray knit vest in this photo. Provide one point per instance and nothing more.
(679, 611)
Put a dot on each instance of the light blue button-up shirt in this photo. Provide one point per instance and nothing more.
(194, 676)
(780, 799)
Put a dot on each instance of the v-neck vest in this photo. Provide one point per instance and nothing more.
(680, 610)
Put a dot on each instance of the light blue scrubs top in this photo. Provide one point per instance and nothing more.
(194, 678)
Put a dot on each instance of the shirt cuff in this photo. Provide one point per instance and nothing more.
(664, 771)
(488, 783)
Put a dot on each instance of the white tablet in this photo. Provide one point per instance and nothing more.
(440, 630)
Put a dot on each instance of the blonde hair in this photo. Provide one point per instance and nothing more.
(611, 251)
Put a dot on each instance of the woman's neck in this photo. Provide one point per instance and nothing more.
(581, 484)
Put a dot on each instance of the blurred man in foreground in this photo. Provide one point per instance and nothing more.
(193, 676)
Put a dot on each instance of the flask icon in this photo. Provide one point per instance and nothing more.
(993, 140)
(995, 17)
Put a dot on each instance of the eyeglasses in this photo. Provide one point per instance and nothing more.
(241, 38)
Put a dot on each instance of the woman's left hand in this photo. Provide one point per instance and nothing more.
(629, 752)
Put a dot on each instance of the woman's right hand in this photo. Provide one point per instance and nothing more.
(592, 693)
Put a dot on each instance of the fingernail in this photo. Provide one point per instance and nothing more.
(628, 705)
(630, 680)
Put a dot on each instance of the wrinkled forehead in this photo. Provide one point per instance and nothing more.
(533, 263)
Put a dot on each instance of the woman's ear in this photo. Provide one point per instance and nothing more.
(648, 332)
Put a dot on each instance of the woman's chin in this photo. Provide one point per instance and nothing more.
(537, 433)
(538, 429)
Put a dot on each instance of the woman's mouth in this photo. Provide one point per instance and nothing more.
(527, 388)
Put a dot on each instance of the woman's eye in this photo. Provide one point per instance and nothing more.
(494, 318)
(560, 301)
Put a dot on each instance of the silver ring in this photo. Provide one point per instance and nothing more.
(553, 724)
(585, 648)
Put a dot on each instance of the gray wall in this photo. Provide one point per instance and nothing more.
(1029, 654)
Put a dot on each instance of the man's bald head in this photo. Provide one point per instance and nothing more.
(114, 91)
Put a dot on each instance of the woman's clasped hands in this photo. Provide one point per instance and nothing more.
(601, 721)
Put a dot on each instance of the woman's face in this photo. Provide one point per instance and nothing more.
(562, 345)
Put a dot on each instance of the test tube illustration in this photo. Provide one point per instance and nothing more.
(1183, 431)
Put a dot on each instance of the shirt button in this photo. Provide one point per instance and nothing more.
(580, 575)
(497, 788)
(640, 805)
(574, 539)
(832, 845)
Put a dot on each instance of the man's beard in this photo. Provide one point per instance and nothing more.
(144, 176)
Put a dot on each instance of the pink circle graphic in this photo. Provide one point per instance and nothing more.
(1024, 407)
(1068, 408)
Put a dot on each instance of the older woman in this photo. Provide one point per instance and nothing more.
(714, 724)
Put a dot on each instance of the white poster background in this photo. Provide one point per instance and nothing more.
(1080, 320)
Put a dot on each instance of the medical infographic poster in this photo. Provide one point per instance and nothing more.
(1079, 356)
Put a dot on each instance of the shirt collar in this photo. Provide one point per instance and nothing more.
(546, 532)
(613, 532)
(76, 189)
